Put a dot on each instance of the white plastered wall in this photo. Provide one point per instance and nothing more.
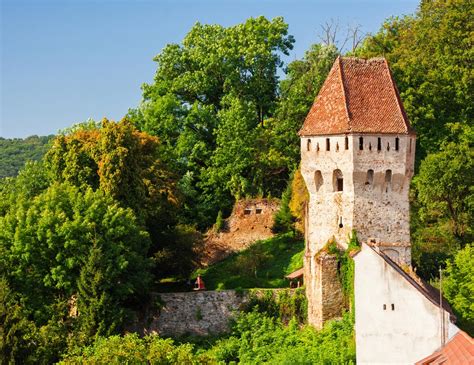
(404, 335)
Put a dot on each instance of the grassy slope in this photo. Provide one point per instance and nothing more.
(263, 265)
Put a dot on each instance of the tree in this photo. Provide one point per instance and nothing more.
(284, 221)
(125, 164)
(187, 105)
(445, 184)
(49, 242)
(459, 286)
(443, 202)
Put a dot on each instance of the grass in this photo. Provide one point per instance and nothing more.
(263, 265)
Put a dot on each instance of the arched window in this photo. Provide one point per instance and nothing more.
(318, 180)
(397, 144)
(328, 144)
(346, 143)
(361, 143)
(370, 177)
(308, 145)
(337, 180)
(388, 180)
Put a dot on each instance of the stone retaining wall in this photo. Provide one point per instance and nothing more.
(196, 313)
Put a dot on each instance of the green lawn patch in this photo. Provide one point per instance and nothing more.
(263, 265)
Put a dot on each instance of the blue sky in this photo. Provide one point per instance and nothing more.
(65, 61)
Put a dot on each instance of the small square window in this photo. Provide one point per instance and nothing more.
(258, 211)
(247, 211)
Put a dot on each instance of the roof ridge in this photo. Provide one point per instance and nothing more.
(422, 287)
(398, 100)
(346, 107)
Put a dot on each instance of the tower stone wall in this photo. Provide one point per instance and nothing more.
(372, 200)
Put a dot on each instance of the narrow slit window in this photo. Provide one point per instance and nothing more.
(338, 180)
(337, 146)
(318, 180)
(308, 145)
(385, 307)
(393, 306)
(388, 180)
(370, 146)
(317, 147)
(346, 143)
(361, 143)
(388, 146)
(379, 144)
(410, 145)
(370, 177)
(328, 144)
(397, 144)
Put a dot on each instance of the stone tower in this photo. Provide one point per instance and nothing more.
(357, 159)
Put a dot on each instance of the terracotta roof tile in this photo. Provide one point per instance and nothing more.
(295, 274)
(358, 96)
(459, 350)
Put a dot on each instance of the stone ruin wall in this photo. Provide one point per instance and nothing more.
(251, 220)
(326, 299)
(199, 313)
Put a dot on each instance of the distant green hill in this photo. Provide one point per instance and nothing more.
(15, 152)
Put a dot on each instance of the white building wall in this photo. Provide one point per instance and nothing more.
(404, 335)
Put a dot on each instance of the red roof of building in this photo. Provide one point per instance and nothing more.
(458, 351)
(358, 96)
(295, 274)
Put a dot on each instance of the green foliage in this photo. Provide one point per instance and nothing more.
(65, 243)
(122, 162)
(443, 213)
(17, 333)
(16, 152)
(262, 265)
(177, 256)
(284, 304)
(459, 286)
(284, 221)
(210, 104)
(257, 338)
(219, 222)
(130, 349)
(299, 200)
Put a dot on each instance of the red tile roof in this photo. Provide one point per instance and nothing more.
(295, 274)
(358, 96)
(459, 350)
